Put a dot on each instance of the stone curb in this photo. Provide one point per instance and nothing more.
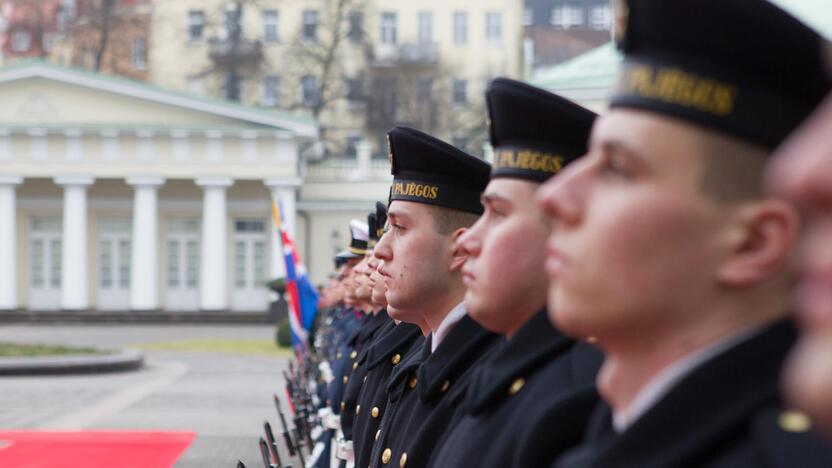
(88, 317)
(54, 365)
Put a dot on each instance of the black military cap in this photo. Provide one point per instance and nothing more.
(743, 67)
(534, 133)
(381, 219)
(428, 170)
(372, 227)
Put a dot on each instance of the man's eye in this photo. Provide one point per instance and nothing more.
(615, 166)
(496, 213)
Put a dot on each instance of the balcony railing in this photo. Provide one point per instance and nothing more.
(421, 54)
(348, 170)
(224, 51)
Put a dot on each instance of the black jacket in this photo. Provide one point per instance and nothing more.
(355, 374)
(425, 395)
(728, 413)
(539, 378)
(394, 345)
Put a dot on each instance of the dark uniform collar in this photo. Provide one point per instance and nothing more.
(369, 326)
(453, 357)
(534, 344)
(403, 372)
(391, 343)
(713, 403)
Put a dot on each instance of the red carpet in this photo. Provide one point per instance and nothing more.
(92, 449)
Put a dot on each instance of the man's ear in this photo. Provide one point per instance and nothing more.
(459, 255)
(761, 242)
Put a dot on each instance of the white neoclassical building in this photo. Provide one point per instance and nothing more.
(118, 196)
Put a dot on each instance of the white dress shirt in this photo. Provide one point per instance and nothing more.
(454, 316)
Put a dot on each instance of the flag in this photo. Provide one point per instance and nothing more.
(300, 293)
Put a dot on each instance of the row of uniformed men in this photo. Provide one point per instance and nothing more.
(646, 234)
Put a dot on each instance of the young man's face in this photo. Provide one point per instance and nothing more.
(360, 280)
(417, 259)
(347, 283)
(634, 241)
(802, 171)
(376, 282)
(504, 278)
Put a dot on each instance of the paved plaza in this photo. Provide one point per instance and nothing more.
(222, 397)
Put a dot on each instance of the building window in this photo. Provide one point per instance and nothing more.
(310, 25)
(196, 25)
(351, 145)
(460, 27)
(460, 92)
(270, 96)
(567, 16)
(249, 225)
(139, 53)
(528, 16)
(388, 28)
(425, 27)
(231, 24)
(493, 27)
(21, 41)
(352, 90)
(600, 17)
(270, 31)
(388, 98)
(422, 90)
(356, 27)
(47, 41)
(309, 90)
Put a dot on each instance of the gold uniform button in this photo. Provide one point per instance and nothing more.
(396, 359)
(374, 412)
(445, 386)
(515, 387)
(794, 421)
(357, 409)
(346, 379)
(386, 455)
(354, 365)
(403, 460)
(353, 354)
(378, 433)
(413, 381)
(343, 405)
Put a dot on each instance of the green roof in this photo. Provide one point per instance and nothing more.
(598, 67)
(593, 69)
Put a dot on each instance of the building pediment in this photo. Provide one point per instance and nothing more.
(38, 94)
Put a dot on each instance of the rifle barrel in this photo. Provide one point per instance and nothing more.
(287, 436)
(264, 453)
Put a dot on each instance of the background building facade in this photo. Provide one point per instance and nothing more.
(116, 195)
(344, 71)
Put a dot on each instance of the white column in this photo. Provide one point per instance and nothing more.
(364, 152)
(74, 285)
(284, 190)
(144, 268)
(8, 241)
(213, 288)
